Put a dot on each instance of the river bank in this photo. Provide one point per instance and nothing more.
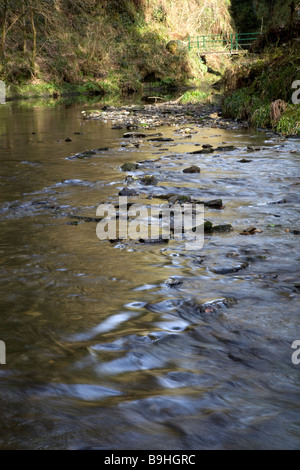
(265, 91)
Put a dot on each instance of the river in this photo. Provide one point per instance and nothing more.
(106, 346)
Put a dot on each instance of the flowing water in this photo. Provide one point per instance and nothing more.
(103, 350)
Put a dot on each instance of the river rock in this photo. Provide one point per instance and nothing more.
(181, 199)
(149, 180)
(253, 149)
(82, 155)
(84, 218)
(160, 139)
(225, 148)
(128, 192)
(173, 282)
(134, 135)
(214, 305)
(192, 169)
(208, 226)
(251, 231)
(229, 270)
(244, 160)
(214, 204)
(281, 201)
(202, 151)
(187, 130)
(153, 241)
(232, 254)
(130, 144)
(129, 166)
(223, 228)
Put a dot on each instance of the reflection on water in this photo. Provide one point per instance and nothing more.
(104, 349)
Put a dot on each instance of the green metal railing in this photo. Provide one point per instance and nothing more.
(222, 42)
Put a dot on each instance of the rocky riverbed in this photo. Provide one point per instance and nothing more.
(163, 114)
(144, 179)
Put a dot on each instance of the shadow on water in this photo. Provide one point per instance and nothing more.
(85, 99)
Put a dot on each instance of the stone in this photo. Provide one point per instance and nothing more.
(215, 305)
(128, 192)
(226, 148)
(153, 241)
(82, 155)
(160, 139)
(192, 169)
(251, 231)
(253, 149)
(202, 151)
(222, 228)
(281, 201)
(208, 226)
(134, 135)
(232, 254)
(148, 180)
(229, 270)
(181, 199)
(214, 204)
(129, 166)
(172, 46)
(173, 282)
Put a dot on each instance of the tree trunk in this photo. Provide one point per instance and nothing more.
(3, 32)
(24, 29)
(33, 56)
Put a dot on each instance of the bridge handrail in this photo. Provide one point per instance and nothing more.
(236, 41)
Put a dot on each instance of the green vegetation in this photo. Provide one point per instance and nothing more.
(253, 88)
(194, 96)
(103, 46)
(119, 47)
(289, 123)
(252, 15)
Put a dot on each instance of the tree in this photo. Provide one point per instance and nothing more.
(10, 14)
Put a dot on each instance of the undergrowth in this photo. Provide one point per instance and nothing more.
(113, 46)
(250, 90)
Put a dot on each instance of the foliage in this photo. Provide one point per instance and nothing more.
(113, 43)
(289, 123)
(194, 96)
(253, 87)
(252, 15)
